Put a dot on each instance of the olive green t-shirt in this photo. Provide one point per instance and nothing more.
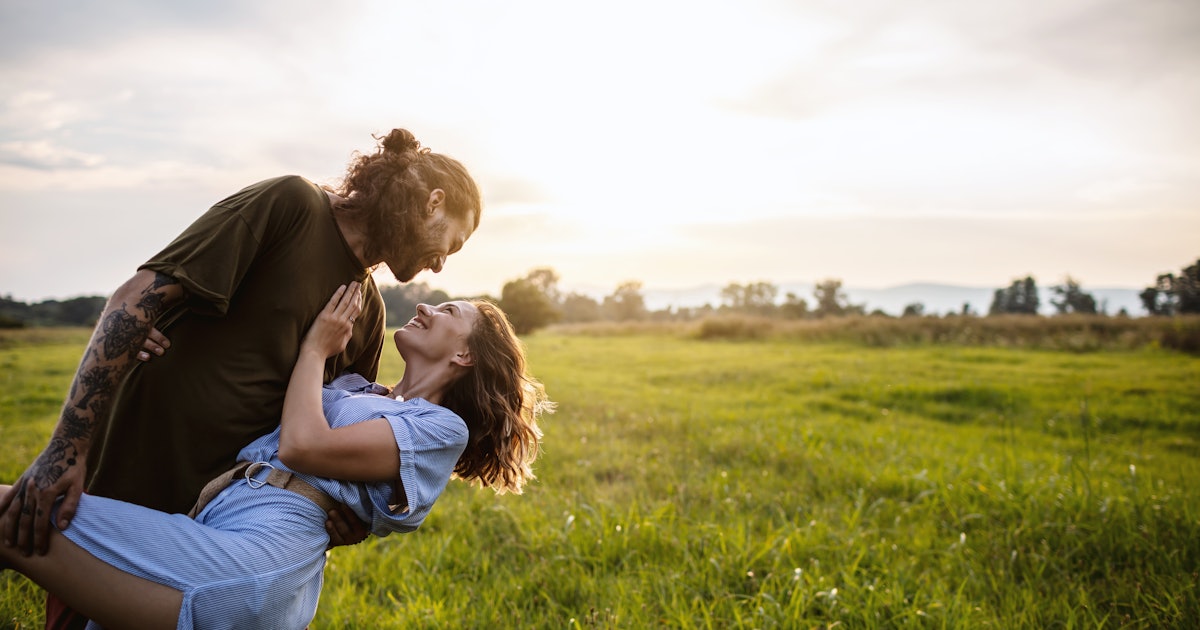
(257, 268)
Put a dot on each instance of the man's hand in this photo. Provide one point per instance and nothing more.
(155, 345)
(345, 528)
(25, 510)
(60, 470)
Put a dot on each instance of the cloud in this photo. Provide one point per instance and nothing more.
(970, 54)
(43, 155)
(1107, 247)
(513, 190)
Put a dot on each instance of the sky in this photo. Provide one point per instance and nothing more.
(672, 143)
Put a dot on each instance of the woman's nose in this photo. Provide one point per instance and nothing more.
(423, 309)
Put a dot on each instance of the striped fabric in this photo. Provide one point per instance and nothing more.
(253, 558)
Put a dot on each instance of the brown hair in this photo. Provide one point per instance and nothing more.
(500, 403)
(388, 189)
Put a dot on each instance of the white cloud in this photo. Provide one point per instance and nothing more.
(599, 133)
(43, 155)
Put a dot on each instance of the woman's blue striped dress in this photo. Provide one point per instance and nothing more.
(253, 558)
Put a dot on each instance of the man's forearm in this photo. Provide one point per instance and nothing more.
(108, 358)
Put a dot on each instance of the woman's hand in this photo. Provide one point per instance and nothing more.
(333, 327)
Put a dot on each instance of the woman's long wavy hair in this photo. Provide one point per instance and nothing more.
(500, 403)
(389, 188)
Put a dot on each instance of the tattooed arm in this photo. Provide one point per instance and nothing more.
(60, 469)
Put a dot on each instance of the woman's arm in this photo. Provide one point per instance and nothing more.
(365, 451)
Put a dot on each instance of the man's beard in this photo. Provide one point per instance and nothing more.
(414, 254)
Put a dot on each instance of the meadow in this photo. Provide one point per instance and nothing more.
(780, 482)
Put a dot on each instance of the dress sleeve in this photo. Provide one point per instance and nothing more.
(430, 439)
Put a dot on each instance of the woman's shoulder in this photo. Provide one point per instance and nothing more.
(437, 420)
(357, 383)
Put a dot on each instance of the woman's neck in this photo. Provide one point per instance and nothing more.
(430, 384)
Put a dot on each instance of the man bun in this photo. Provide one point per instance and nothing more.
(399, 141)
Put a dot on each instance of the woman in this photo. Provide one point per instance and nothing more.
(254, 554)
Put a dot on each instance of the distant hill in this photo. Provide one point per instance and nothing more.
(938, 299)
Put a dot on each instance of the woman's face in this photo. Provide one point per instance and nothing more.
(438, 333)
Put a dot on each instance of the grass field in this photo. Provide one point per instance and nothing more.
(781, 484)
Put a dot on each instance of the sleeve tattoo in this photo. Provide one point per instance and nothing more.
(107, 359)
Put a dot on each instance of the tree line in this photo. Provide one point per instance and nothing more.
(79, 311)
(535, 301)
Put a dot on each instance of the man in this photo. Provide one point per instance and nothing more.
(234, 294)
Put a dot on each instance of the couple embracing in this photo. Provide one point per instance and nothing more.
(224, 419)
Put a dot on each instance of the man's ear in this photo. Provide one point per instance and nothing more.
(437, 197)
(463, 359)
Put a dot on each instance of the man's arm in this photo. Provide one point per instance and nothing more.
(61, 468)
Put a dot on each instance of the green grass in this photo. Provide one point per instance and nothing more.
(782, 484)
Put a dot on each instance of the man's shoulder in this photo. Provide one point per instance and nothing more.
(279, 205)
(281, 185)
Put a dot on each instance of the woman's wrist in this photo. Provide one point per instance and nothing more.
(311, 353)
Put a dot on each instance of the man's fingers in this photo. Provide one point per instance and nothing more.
(11, 522)
(157, 337)
(337, 527)
(66, 510)
(25, 526)
(344, 527)
(155, 345)
(7, 499)
(41, 528)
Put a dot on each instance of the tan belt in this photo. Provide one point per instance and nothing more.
(277, 478)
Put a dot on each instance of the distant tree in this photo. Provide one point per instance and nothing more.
(528, 301)
(1020, 297)
(577, 307)
(78, 311)
(1072, 298)
(916, 309)
(757, 297)
(793, 307)
(694, 312)
(1157, 301)
(10, 322)
(400, 300)
(1187, 289)
(546, 280)
(1172, 295)
(13, 310)
(832, 301)
(626, 302)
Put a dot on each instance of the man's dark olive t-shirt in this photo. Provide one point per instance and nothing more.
(257, 268)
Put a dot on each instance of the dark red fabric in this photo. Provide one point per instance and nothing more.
(59, 617)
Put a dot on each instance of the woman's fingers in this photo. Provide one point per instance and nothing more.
(335, 300)
(349, 303)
